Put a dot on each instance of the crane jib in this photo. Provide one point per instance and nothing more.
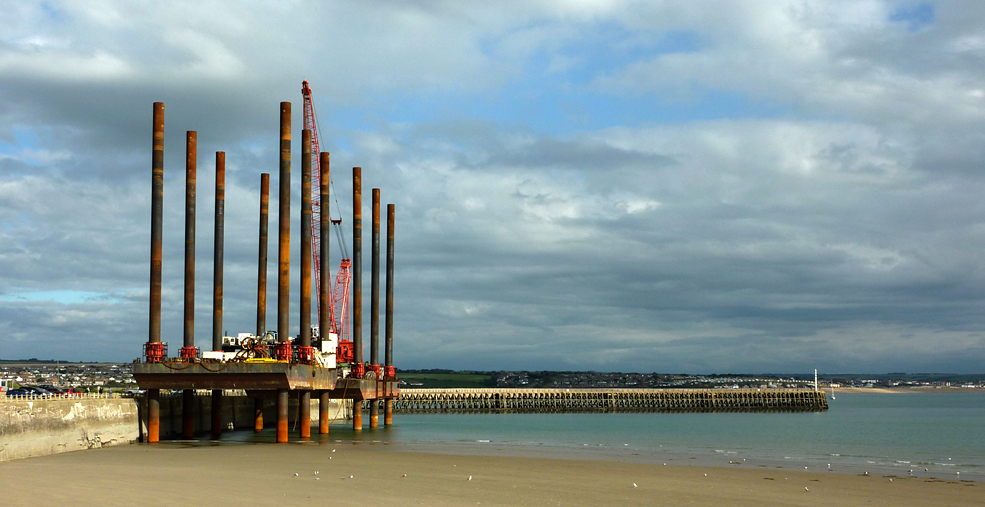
(339, 294)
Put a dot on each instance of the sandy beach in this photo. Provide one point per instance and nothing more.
(294, 474)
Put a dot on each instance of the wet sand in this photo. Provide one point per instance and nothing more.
(264, 474)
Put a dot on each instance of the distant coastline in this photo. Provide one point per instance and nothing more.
(905, 390)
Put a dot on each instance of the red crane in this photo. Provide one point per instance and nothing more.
(339, 305)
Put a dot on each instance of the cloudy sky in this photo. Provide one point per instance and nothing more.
(757, 186)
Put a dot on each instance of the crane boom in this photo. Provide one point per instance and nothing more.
(339, 305)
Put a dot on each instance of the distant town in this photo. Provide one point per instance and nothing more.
(102, 377)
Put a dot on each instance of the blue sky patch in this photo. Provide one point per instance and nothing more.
(915, 16)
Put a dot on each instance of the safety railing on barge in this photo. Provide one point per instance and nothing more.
(609, 400)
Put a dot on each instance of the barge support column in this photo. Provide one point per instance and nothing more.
(154, 349)
(188, 351)
(357, 290)
(282, 403)
(284, 262)
(323, 415)
(262, 285)
(257, 415)
(374, 309)
(305, 352)
(323, 321)
(388, 331)
(217, 280)
(153, 415)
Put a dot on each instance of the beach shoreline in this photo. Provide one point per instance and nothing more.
(269, 474)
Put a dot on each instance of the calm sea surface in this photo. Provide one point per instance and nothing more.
(875, 433)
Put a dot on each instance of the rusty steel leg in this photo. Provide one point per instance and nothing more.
(191, 169)
(324, 287)
(153, 415)
(284, 232)
(357, 416)
(323, 415)
(218, 249)
(216, 414)
(188, 396)
(357, 285)
(304, 398)
(262, 263)
(257, 415)
(388, 331)
(304, 413)
(374, 306)
(305, 301)
(217, 280)
(187, 414)
(357, 265)
(157, 221)
(282, 400)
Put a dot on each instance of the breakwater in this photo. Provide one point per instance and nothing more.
(611, 400)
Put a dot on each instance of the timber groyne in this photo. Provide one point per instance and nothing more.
(609, 400)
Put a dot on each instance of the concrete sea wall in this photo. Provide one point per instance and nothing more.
(43, 426)
(38, 427)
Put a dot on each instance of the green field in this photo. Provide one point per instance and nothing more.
(438, 380)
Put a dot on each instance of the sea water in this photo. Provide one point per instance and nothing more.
(932, 434)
